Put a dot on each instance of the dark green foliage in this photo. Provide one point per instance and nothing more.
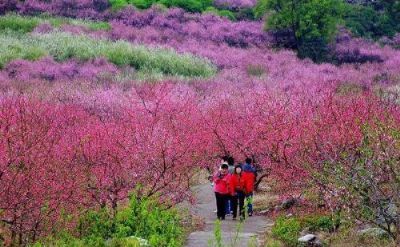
(366, 22)
(245, 14)
(375, 20)
(313, 23)
(313, 47)
(260, 9)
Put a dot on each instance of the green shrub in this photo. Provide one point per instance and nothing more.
(260, 8)
(143, 222)
(118, 4)
(318, 223)
(188, 5)
(228, 14)
(225, 13)
(149, 220)
(287, 230)
(142, 4)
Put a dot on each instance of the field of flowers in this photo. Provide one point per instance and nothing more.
(96, 102)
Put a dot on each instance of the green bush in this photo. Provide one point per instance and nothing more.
(188, 5)
(143, 222)
(228, 14)
(312, 24)
(149, 220)
(118, 4)
(18, 23)
(142, 4)
(287, 230)
(318, 223)
(225, 13)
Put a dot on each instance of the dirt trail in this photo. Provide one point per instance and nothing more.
(252, 229)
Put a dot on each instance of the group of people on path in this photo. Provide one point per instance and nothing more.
(233, 187)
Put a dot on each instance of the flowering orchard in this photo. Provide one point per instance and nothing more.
(84, 124)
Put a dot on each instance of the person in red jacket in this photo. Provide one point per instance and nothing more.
(250, 174)
(222, 190)
(238, 191)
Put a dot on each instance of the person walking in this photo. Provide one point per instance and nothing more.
(238, 192)
(231, 169)
(222, 190)
(250, 174)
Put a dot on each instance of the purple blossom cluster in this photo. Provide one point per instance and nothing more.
(237, 48)
(46, 69)
(157, 25)
(176, 25)
(394, 42)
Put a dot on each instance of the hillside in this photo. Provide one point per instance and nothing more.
(111, 110)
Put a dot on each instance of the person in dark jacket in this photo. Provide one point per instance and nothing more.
(250, 174)
(222, 190)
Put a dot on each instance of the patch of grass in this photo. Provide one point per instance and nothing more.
(26, 24)
(59, 21)
(255, 70)
(64, 46)
(270, 242)
(18, 23)
(14, 46)
(348, 237)
(349, 88)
